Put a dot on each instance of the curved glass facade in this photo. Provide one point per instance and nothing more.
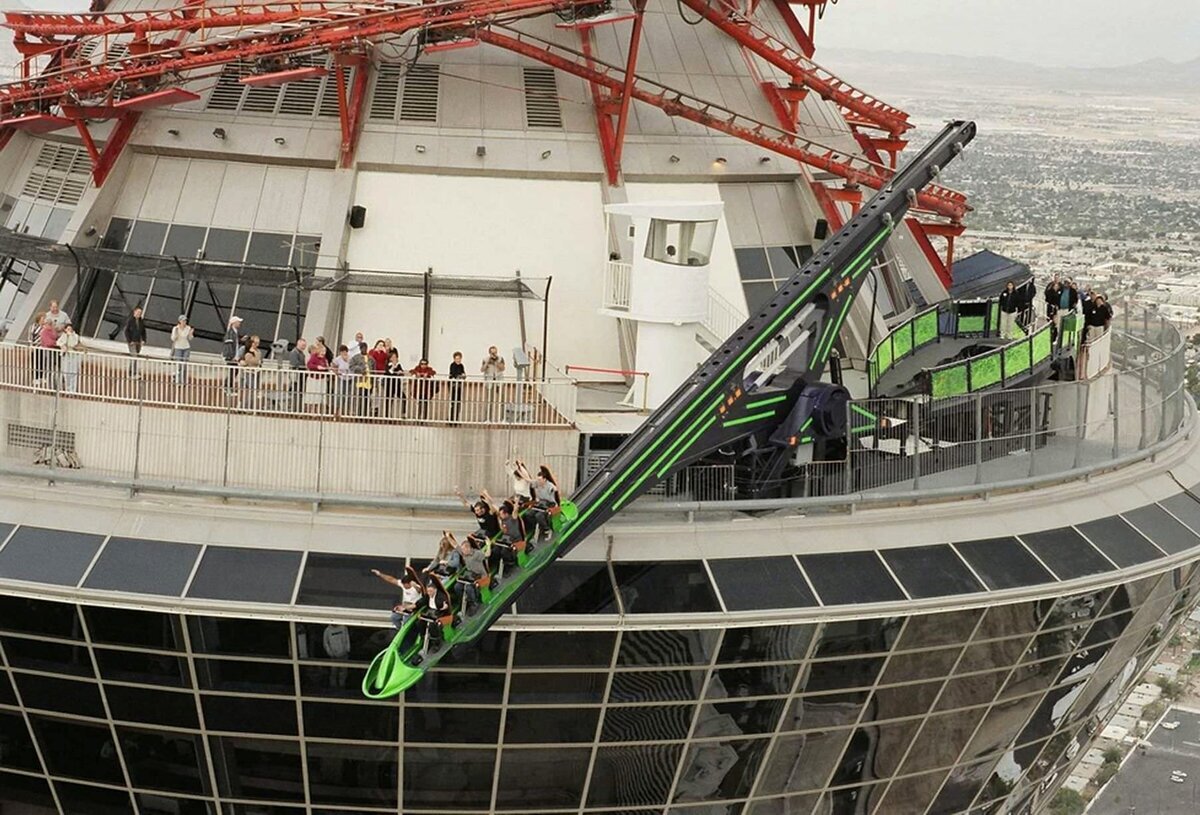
(107, 710)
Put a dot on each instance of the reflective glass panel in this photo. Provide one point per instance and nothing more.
(171, 708)
(1003, 563)
(245, 677)
(655, 686)
(694, 647)
(78, 799)
(445, 779)
(231, 713)
(767, 582)
(1066, 552)
(545, 778)
(556, 689)
(570, 588)
(257, 768)
(1123, 544)
(550, 725)
(47, 656)
(352, 774)
(446, 724)
(659, 587)
(647, 723)
(60, 695)
(77, 749)
(633, 776)
(850, 577)
(118, 626)
(539, 649)
(16, 748)
(141, 666)
(165, 761)
(378, 722)
(25, 616)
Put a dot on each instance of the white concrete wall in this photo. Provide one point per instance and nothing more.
(488, 227)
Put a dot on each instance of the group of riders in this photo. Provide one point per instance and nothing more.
(455, 581)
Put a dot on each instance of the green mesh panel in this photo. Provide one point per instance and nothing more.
(902, 343)
(985, 371)
(1071, 326)
(994, 314)
(925, 328)
(970, 325)
(948, 381)
(1016, 358)
(884, 355)
(1041, 345)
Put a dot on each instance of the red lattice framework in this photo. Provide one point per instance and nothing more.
(170, 48)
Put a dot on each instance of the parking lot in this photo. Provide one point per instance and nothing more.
(1144, 785)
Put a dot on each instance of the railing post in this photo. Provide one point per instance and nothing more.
(1080, 420)
(320, 451)
(228, 432)
(137, 442)
(1033, 423)
(848, 474)
(1116, 405)
(978, 438)
(53, 425)
(1142, 382)
(915, 432)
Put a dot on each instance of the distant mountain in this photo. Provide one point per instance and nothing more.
(879, 68)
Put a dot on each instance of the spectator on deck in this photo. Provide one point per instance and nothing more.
(317, 386)
(344, 384)
(231, 349)
(423, 388)
(251, 361)
(492, 369)
(458, 372)
(393, 385)
(361, 369)
(72, 357)
(135, 337)
(1053, 289)
(492, 366)
(379, 356)
(1010, 303)
(181, 346)
(58, 317)
(46, 356)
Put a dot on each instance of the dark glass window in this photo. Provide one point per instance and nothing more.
(752, 716)
(7, 697)
(803, 761)
(555, 689)
(210, 314)
(30, 791)
(342, 643)
(269, 249)
(47, 656)
(1184, 507)
(231, 713)
(305, 249)
(1123, 544)
(902, 700)
(550, 725)
(920, 665)
(1066, 552)
(931, 571)
(941, 740)
(165, 761)
(766, 582)
(752, 680)
(152, 804)
(118, 626)
(976, 689)
(841, 673)
(256, 768)
(541, 778)
(117, 233)
(48, 555)
(752, 263)
(228, 245)
(926, 630)
(660, 587)
(739, 760)
(783, 262)
(239, 637)
(139, 666)
(655, 686)
(667, 647)
(445, 724)
(364, 722)
(1003, 563)
(60, 695)
(237, 573)
(170, 708)
(345, 581)
(184, 242)
(489, 651)
(247, 677)
(570, 588)
(76, 749)
(147, 238)
(78, 799)
(16, 748)
(444, 687)
(586, 649)
(26, 616)
(353, 775)
(163, 310)
(144, 566)
(260, 306)
(853, 637)
(647, 723)
(446, 779)
(825, 711)
(850, 577)
(633, 776)
(1159, 526)
(766, 644)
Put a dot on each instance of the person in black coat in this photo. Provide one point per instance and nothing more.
(135, 337)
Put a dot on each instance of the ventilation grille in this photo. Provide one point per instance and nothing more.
(35, 438)
(316, 96)
(93, 51)
(60, 175)
(542, 107)
(386, 94)
(422, 86)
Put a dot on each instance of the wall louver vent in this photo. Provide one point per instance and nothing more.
(542, 107)
(316, 96)
(60, 175)
(421, 89)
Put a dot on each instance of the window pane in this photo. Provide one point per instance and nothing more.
(60, 695)
(232, 713)
(344, 774)
(17, 752)
(752, 263)
(240, 637)
(663, 587)
(228, 245)
(269, 249)
(365, 722)
(39, 617)
(536, 778)
(47, 656)
(80, 800)
(137, 666)
(550, 725)
(117, 233)
(78, 750)
(451, 725)
(452, 780)
(564, 648)
(247, 677)
(633, 776)
(174, 709)
(148, 629)
(256, 768)
(184, 242)
(165, 761)
(147, 238)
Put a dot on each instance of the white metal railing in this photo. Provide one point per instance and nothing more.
(616, 284)
(270, 388)
(722, 317)
(1095, 355)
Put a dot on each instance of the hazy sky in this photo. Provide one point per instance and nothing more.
(1083, 33)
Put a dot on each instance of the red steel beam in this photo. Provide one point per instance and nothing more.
(803, 38)
(351, 104)
(802, 69)
(603, 105)
(103, 160)
(635, 38)
(854, 169)
(184, 19)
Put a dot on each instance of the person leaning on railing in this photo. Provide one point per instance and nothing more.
(181, 346)
(317, 387)
(72, 358)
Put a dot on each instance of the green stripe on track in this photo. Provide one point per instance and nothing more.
(765, 402)
(747, 419)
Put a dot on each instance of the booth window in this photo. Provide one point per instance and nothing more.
(684, 243)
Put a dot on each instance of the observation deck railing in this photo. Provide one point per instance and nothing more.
(119, 431)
